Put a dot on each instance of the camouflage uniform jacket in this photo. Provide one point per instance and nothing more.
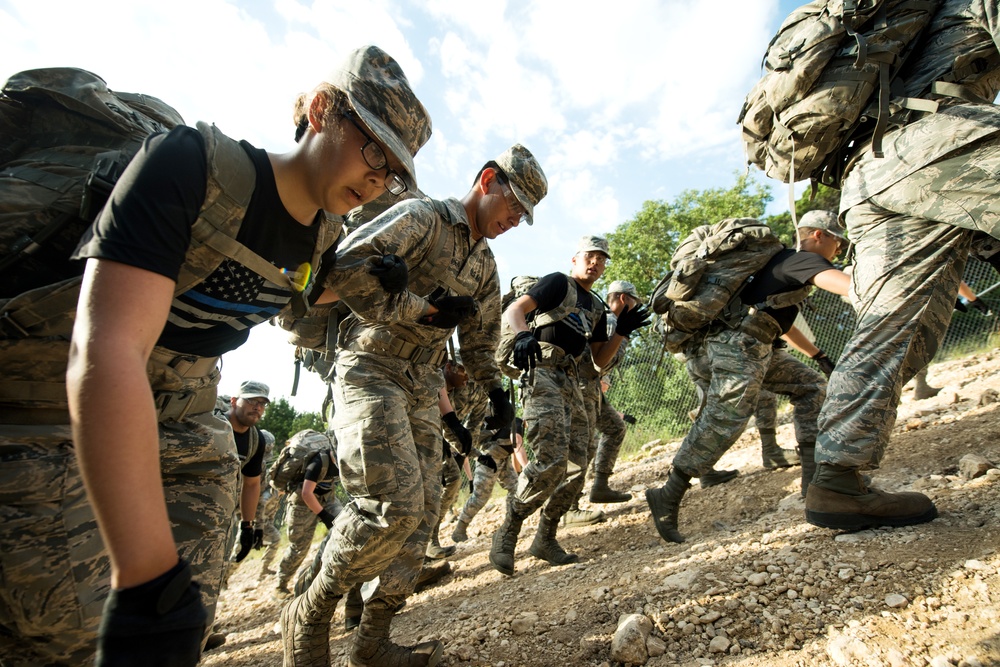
(385, 323)
(961, 47)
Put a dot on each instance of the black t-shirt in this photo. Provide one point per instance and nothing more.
(548, 293)
(314, 468)
(253, 466)
(787, 271)
(147, 224)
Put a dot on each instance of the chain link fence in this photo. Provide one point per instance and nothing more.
(655, 388)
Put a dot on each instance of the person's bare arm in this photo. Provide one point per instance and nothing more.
(798, 341)
(604, 352)
(444, 403)
(833, 280)
(309, 496)
(249, 496)
(121, 313)
(517, 312)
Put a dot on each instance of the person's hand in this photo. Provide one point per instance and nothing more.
(471, 487)
(487, 460)
(459, 459)
(258, 538)
(503, 411)
(981, 306)
(245, 539)
(631, 319)
(960, 305)
(451, 311)
(824, 363)
(461, 433)
(158, 623)
(326, 517)
(628, 419)
(527, 351)
(391, 272)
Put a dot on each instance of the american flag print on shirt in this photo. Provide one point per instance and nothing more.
(232, 295)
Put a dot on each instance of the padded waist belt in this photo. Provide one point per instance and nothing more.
(184, 365)
(387, 344)
(555, 357)
(176, 405)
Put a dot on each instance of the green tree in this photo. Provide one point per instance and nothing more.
(825, 198)
(304, 420)
(279, 419)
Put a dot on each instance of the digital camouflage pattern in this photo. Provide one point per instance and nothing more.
(739, 366)
(914, 215)
(611, 428)
(700, 371)
(527, 180)
(301, 524)
(484, 478)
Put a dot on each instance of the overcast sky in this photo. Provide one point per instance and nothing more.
(620, 102)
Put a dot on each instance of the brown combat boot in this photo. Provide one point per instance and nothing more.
(459, 534)
(807, 457)
(505, 541)
(430, 574)
(372, 647)
(838, 498)
(600, 492)
(434, 549)
(544, 545)
(305, 627)
(665, 502)
(772, 454)
(921, 389)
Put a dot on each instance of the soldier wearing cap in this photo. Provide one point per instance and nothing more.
(568, 328)
(741, 359)
(246, 409)
(387, 420)
(131, 432)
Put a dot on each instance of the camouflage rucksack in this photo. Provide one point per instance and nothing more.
(709, 268)
(289, 469)
(519, 286)
(816, 102)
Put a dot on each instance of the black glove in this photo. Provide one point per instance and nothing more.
(246, 540)
(327, 518)
(392, 273)
(487, 460)
(451, 311)
(158, 623)
(460, 432)
(503, 411)
(631, 319)
(960, 306)
(258, 538)
(459, 459)
(527, 351)
(824, 363)
(980, 305)
(471, 487)
(628, 419)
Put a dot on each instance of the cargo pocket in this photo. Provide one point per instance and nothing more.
(364, 453)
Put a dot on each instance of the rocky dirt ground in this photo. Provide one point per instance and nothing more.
(754, 584)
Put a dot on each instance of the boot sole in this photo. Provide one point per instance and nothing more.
(570, 559)
(509, 571)
(606, 500)
(854, 522)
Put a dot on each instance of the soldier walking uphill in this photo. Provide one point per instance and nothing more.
(159, 469)
(387, 422)
(743, 360)
(565, 318)
(246, 409)
(913, 215)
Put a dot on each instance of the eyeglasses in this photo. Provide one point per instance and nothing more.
(598, 257)
(259, 403)
(375, 158)
(515, 206)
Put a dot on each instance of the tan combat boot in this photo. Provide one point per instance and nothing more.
(772, 454)
(372, 647)
(459, 534)
(921, 389)
(839, 498)
(544, 545)
(505, 541)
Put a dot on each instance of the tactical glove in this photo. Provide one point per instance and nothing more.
(258, 538)
(391, 272)
(631, 319)
(487, 460)
(981, 306)
(503, 411)
(326, 517)
(451, 311)
(824, 363)
(960, 305)
(459, 459)
(471, 487)
(527, 351)
(246, 540)
(159, 623)
(460, 432)
(628, 419)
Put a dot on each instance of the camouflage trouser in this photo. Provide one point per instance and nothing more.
(451, 480)
(485, 477)
(301, 525)
(740, 365)
(55, 571)
(700, 371)
(911, 242)
(612, 429)
(558, 431)
(388, 430)
(272, 536)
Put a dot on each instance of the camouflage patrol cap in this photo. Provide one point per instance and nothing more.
(527, 180)
(825, 220)
(594, 244)
(381, 95)
(254, 389)
(624, 287)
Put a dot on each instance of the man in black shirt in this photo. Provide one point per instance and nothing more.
(565, 318)
(246, 409)
(742, 361)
